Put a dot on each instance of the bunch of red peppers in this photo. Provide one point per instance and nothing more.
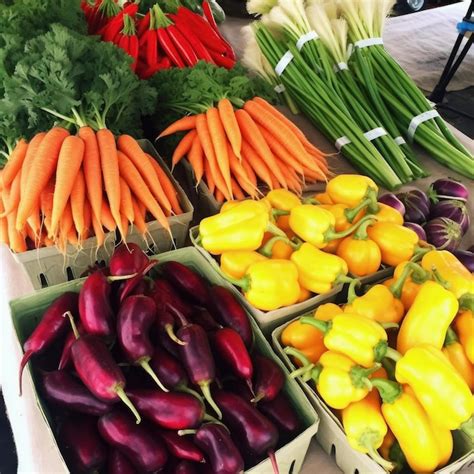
(137, 371)
(159, 40)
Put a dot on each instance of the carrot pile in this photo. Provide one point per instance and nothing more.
(60, 189)
(236, 150)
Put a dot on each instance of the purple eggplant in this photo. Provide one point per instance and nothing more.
(443, 233)
(447, 189)
(391, 200)
(454, 210)
(190, 283)
(180, 446)
(118, 463)
(471, 249)
(417, 229)
(127, 260)
(167, 299)
(280, 411)
(269, 379)
(417, 206)
(166, 323)
(466, 257)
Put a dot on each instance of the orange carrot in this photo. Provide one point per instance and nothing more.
(78, 196)
(181, 125)
(126, 206)
(92, 170)
(231, 127)
(195, 158)
(219, 143)
(69, 164)
(130, 147)
(14, 195)
(208, 148)
(138, 219)
(15, 238)
(34, 222)
(110, 171)
(239, 173)
(124, 225)
(72, 237)
(33, 148)
(87, 219)
(209, 181)
(98, 230)
(3, 226)
(257, 164)
(251, 133)
(41, 170)
(236, 190)
(183, 148)
(14, 163)
(132, 177)
(67, 221)
(106, 218)
(250, 173)
(167, 186)
(46, 204)
(219, 196)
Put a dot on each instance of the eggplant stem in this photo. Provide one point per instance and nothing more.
(206, 391)
(186, 432)
(73, 324)
(273, 460)
(257, 398)
(190, 391)
(123, 396)
(121, 277)
(146, 367)
(169, 330)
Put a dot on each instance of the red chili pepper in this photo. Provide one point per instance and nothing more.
(223, 61)
(168, 47)
(183, 45)
(143, 24)
(200, 50)
(133, 48)
(206, 8)
(152, 48)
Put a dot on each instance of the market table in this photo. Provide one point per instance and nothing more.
(34, 455)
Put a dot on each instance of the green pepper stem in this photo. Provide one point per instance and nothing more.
(389, 391)
(439, 279)
(390, 325)
(341, 278)
(280, 212)
(273, 229)
(123, 396)
(307, 365)
(351, 213)
(389, 366)
(351, 294)
(373, 453)
(243, 283)
(467, 301)
(146, 367)
(266, 250)
(360, 375)
(418, 252)
(206, 391)
(409, 269)
(73, 324)
(451, 337)
(316, 372)
(330, 234)
(393, 354)
(361, 232)
(468, 427)
(323, 326)
(313, 201)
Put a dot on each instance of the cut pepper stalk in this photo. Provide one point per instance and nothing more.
(331, 234)
(369, 203)
(266, 250)
(418, 274)
(466, 302)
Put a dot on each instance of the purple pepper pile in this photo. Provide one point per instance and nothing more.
(146, 375)
(439, 216)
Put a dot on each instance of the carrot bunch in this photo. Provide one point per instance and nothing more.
(60, 189)
(235, 150)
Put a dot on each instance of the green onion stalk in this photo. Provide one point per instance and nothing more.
(316, 100)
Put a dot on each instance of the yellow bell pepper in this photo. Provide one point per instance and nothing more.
(361, 254)
(391, 451)
(397, 243)
(342, 214)
(455, 353)
(327, 311)
(450, 269)
(388, 214)
(332, 246)
(378, 304)
(270, 284)
(365, 427)
(406, 282)
(442, 392)
(304, 295)
(319, 271)
(235, 263)
(357, 337)
(353, 190)
(464, 324)
(429, 318)
(410, 425)
(316, 225)
(228, 205)
(283, 223)
(278, 247)
(282, 199)
(323, 198)
(308, 340)
(241, 227)
(339, 380)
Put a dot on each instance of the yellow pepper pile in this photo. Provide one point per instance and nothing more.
(291, 249)
(420, 326)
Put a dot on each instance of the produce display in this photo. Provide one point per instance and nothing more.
(59, 189)
(174, 336)
(157, 40)
(379, 361)
(234, 150)
(329, 61)
(283, 249)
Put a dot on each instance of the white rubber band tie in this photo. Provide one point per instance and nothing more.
(283, 63)
(419, 119)
(340, 67)
(311, 35)
(375, 133)
(399, 140)
(341, 141)
(279, 89)
(364, 43)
